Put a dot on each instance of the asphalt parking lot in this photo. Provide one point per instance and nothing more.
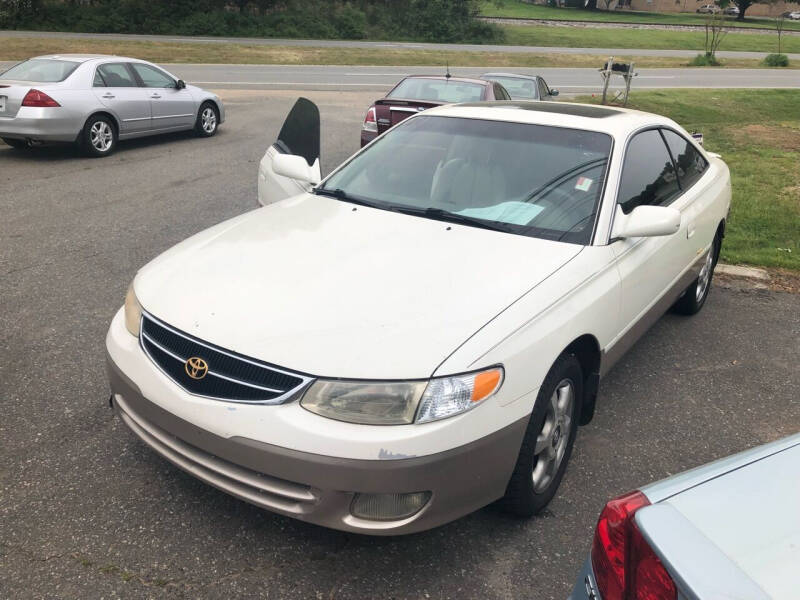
(88, 511)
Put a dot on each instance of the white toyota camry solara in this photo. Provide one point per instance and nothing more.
(420, 333)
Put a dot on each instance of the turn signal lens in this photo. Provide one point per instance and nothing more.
(370, 121)
(38, 99)
(624, 565)
(449, 396)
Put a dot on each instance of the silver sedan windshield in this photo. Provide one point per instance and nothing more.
(534, 180)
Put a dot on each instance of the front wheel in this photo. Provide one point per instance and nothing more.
(696, 294)
(548, 440)
(207, 120)
(99, 136)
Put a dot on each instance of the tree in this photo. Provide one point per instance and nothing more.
(743, 5)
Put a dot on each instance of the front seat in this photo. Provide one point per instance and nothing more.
(468, 181)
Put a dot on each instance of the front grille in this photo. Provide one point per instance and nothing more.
(229, 376)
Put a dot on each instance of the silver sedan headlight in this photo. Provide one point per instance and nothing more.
(401, 402)
(133, 312)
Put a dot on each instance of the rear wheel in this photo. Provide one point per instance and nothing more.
(695, 295)
(207, 120)
(548, 440)
(99, 136)
(19, 144)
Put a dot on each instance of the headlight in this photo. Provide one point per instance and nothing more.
(367, 402)
(133, 312)
(397, 403)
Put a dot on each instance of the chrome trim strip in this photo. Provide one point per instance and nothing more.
(403, 109)
(172, 116)
(210, 372)
(136, 119)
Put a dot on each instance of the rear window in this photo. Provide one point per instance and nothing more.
(437, 90)
(43, 70)
(520, 89)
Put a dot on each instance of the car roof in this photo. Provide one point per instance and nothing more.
(612, 120)
(82, 58)
(512, 75)
(445, 78)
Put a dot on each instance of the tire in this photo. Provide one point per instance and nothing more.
(99, 136)
(695, 295)
(18, 144)
(536, 476)
(207, 121)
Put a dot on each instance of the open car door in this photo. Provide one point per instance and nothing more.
(291, 164)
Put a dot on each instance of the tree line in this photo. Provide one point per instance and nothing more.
(425, 20)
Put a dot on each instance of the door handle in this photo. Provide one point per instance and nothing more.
(108, 95)
(155, 96)
(689, 231)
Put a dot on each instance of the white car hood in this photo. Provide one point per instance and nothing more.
(332, 289)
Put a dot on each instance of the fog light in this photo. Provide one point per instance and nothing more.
(388, 507)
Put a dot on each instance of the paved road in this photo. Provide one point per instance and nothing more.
(87, 511)
(391, 45)
(380, 79)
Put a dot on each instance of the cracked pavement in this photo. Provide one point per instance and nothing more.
(88, 511)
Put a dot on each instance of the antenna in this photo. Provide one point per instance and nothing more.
(447, 75)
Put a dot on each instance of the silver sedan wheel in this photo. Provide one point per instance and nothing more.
(705, 276)
(101, 136)
(208, 120)
(551, 443)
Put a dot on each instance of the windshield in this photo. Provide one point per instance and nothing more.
(532, 180)
(518, 88)
(43, 70)
(437, 90)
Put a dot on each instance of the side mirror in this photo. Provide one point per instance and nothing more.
(181, 84)
(294, 167)
(646, 221)
(554, 93)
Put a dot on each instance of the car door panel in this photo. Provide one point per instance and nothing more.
(170, 107)
(300, 136)
(117, 90)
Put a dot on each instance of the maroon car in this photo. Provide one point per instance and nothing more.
(418, 92)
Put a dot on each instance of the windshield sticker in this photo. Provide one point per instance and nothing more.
(583, 184)
(513, 212)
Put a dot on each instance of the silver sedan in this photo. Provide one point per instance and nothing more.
(96, 100)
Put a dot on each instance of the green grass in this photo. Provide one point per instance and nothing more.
(760, 142)
(14, 48)
(581, 37)
(514, 9)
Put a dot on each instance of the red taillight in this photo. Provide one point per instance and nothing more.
(624, 565)
(39, 99)
(370, 122)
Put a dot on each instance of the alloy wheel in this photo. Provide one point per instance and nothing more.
(705, 276)
(101, 136)
(208, 120)
(552, 441)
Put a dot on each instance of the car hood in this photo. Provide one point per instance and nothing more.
(333, 289)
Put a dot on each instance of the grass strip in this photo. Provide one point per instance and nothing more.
(14, 48)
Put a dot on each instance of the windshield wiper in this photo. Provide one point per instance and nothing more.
(451, 217)
(340, 194)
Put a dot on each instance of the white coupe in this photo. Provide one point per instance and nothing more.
(420, 333)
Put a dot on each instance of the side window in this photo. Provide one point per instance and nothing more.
(98, 79)
(543, 91)
(648, 175)
(690, 163)
(115, 75)
(152, 77)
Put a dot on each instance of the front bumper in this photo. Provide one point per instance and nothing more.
(317, 488)
(42, 125)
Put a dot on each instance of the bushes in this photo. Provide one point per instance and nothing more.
(776, 60)
(426, 20)
(704, 60)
